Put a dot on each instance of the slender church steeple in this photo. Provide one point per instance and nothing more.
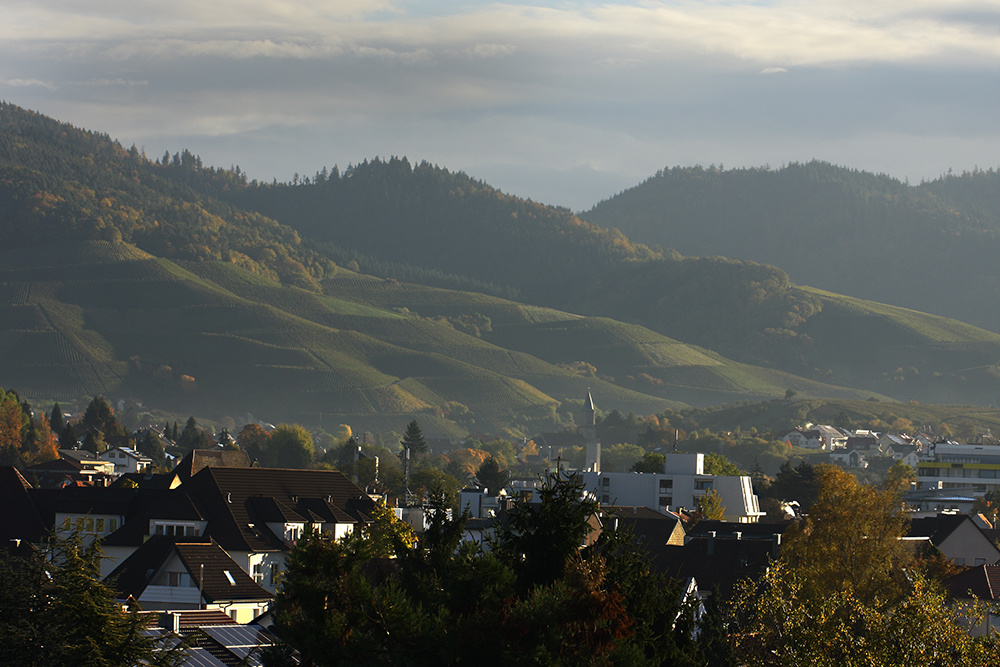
(588, 429)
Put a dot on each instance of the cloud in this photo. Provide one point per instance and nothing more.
(549, 87)
(24, 83)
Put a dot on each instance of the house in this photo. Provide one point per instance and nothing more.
(850, 458)
(821, 436)
(716, 562)
(908, 454)
(197, 459)
(255, 514)
(58, 473)
(647, 525)
(215, 640)
(21, 520)
(680, 485)
(958, 537)
(127, 460)
(978, 585)
(168, 573)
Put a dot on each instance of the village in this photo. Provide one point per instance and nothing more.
(202, 545)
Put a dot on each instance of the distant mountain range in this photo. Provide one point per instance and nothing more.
(931, 247)
(391, 291)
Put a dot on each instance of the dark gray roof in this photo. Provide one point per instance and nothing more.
(137, 571)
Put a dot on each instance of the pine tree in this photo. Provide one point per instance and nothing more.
(57, 421)
(413, 439)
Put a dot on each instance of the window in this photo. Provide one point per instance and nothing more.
(702, 484)
(605, 499)
(666, 484)
(666, 501)
(180, 579)
(274, 573)
(605, 481)
(174, 529)
(258, 572)
(229, 577)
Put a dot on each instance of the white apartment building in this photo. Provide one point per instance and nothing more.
(679, 486)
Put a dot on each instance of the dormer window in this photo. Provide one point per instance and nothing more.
(174, 529)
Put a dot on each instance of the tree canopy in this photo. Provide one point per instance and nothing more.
(55, 610)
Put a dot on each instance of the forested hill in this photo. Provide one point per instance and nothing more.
(59, 183)
(124, 273)
(931, 247)
(387, 211)
(437, 221)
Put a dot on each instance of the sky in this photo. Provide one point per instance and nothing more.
(563, 102)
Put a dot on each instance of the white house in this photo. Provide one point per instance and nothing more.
(127, 460)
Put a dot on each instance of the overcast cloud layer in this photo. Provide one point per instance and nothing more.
(563, 102)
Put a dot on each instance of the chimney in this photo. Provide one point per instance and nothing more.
(775, 544)
(738, 535)
(710, 545)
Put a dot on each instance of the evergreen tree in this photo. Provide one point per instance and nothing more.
(67, 439)
(57, 421)
(193, 436)
(491, 476)
(413, 439)
(55, 610)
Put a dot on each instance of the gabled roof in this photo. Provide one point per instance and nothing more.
(205, 562)
(83, 500)
(81, 456)
(231, 498)
(761, 529)
(150, 505)
(197, 459)
(714, 561)
(646, 524)
(19, 517)
(224, 579)
(982, 581)
(937, 528)
(128, 451)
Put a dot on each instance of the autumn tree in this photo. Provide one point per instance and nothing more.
(844, 591)
(850, 539)
(710, 506)
(12, 424)
(386, 534)
(252, 439)
(290, 446)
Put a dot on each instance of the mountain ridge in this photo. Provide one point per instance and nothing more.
(172, 281)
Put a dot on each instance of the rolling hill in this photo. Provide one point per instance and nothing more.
(929, 247)
(392, 290)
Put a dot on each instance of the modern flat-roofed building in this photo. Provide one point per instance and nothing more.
(680, 485)
(950, 465)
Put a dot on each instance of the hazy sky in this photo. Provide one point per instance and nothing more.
(560, 101)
